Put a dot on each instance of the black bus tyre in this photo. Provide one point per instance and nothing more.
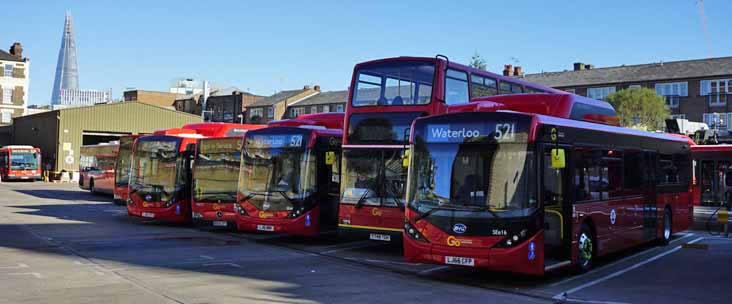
(586, 249)
(667, 227)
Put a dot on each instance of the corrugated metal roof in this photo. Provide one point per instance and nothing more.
(711, 67)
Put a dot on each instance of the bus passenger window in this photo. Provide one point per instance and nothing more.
(505, 88)
(482, 86)
(456, 87)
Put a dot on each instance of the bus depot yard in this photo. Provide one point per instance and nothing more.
(61, 244)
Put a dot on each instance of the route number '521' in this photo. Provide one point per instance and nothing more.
(504, 131)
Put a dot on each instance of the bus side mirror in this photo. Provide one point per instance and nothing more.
(558, 159)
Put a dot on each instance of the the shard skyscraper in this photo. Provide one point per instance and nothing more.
(67, 71)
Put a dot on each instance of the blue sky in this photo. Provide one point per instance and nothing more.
(265, 46)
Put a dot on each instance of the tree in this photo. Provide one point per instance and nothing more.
(640, 108)
(477, 62)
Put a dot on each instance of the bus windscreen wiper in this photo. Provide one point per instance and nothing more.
(362, 200)
(427, 213)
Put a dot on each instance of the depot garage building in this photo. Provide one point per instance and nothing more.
(61, 133)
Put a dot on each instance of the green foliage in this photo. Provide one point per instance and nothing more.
(640, 108)
(477, 62)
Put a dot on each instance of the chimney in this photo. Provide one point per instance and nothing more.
(589, 67)
(518, 72)
(16, 50)
(507, 70)
(579, 66)
(307, 87)
(317, 88)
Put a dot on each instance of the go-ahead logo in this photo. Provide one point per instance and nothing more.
(459, 228)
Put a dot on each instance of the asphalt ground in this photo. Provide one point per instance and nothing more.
(60, 244)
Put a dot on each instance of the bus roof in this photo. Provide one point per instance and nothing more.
(712, 148)
(326, 120)
(219, 129)
(18, 147)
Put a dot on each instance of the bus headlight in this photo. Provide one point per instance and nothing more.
(514, 239)
(170, 203)
(196, 215)
(296, 212)
(238, 209)
(413, 233)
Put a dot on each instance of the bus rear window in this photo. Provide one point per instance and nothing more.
(394, 83)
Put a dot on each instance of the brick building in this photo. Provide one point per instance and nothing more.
(13, 84)
(155, 98)
(274, 107)
(229, 105)
(334, 101)
(698, 90)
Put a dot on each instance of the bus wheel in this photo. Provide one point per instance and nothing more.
(91, 185)
(667, 227)
(586, 248)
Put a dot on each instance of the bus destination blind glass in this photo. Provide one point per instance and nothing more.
(276, 141)
(219, 145)
(500, 131)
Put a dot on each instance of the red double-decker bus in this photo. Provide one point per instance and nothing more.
(97, 167)
(160, 179)
(712, 174)
(20, 163)
(290, 177)
(215, 176)
(385, 97)
(122, 169)
(505, 186)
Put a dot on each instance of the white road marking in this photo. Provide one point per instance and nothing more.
(222, 264)
(20, 265)
(35, 274)
(433, 269)
(620, 272)
(356, 246)
(206, 257)
(570, 279)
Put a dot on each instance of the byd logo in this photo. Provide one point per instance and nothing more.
(459, 228)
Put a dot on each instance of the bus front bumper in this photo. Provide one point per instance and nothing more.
(176, 213)
(518, 259)
(307, 224)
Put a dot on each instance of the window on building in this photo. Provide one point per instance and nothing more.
(570, 91)
(678, 116)
(600, 92)
(456, 87)
(313, 109)
(8, 70)
(8, 96)
(270, 112)
(339, 108)
(717, 120)
(634, 86)
(326, 108)
(482, 86)
(6, 116)
(672, 89)
(256, 112)
(716, 90)
(297, 111)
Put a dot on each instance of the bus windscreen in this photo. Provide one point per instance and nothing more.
(394, 83)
